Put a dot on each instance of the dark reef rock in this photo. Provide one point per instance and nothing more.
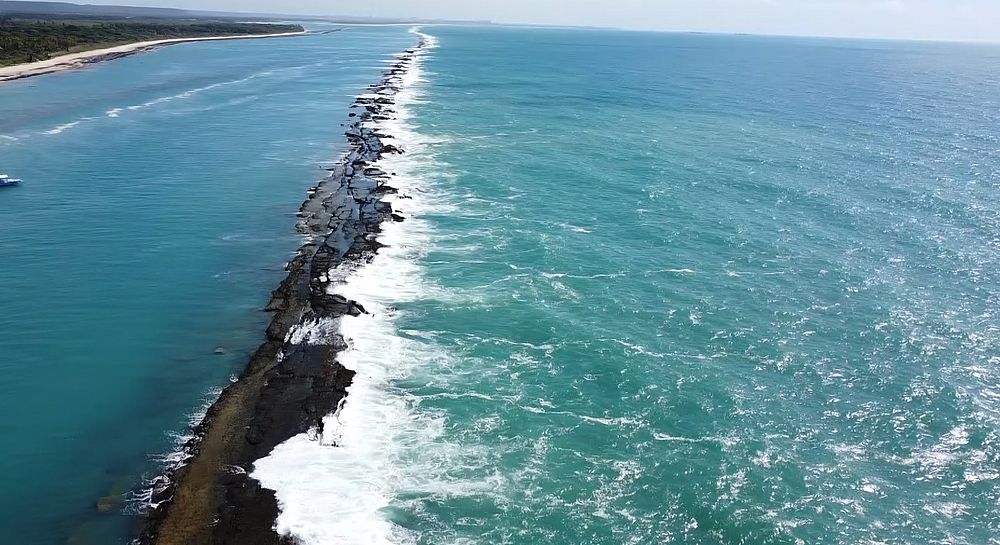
(293, 380)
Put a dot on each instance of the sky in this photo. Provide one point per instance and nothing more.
(964, 20)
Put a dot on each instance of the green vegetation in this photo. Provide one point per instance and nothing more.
(34, 40)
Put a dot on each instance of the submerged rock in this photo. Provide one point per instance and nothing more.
(109, 504)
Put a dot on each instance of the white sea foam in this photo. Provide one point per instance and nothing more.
(65, 127)
(582, 277)
(320, 331)
(333, 487)
(672, 271)
(116, 112)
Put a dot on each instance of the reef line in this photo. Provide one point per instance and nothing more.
(293, 380)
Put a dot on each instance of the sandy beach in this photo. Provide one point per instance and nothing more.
(77, 60)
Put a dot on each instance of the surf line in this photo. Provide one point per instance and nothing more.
(293, 380)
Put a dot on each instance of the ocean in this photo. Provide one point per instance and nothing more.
(650, 287)
(156, 216)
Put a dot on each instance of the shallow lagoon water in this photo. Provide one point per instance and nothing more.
(157, 212)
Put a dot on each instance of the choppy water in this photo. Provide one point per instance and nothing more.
(157, 212)
(675, 289)
(652, 288)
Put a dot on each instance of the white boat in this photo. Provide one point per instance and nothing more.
(7, 181)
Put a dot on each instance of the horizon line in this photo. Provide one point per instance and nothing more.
(488, 22)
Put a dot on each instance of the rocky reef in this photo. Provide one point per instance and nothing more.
(293, 380)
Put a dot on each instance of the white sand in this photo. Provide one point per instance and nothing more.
(76, 60)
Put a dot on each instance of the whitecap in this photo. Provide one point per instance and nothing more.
(677, 439)
(65, 127)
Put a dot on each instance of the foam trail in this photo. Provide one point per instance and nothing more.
(186, 94)
(333, 488)
(64, 127)
(116, 112)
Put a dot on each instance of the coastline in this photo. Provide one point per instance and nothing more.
(294, 379)
(77, 60)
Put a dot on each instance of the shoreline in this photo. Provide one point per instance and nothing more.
(74, 61)
(293, 381)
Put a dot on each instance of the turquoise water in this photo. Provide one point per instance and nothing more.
(146, 236)
(652, 288)
(676, 289)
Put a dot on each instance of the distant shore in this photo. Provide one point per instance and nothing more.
(84, 58)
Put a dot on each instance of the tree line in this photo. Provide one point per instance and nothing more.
(29, 41)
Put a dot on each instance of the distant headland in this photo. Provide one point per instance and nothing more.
(66, 10)
(43, 37)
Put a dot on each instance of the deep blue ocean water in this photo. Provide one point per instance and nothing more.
(652, 288)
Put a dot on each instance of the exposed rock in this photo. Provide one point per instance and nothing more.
(288, 387)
